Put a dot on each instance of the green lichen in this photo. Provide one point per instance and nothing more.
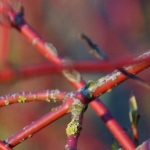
(71, 94)
(35, 96)
(55, 108)
(77, 109)
(22, 99)
(54, 100)
(72, 127)
(6, 102)
(30, 136)
(52, 96)
(48, 100)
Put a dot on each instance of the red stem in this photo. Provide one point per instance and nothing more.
(117, 77)
(72, 139)
(37, 125)
(48, 95)
(4, 146)
(4, 45)
(112, 125)
(9, 74)
(40, 44)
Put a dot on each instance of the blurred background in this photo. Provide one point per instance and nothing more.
(120, 28)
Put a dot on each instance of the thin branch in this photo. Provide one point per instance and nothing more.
(9, 74)
(104, 84)
(4, 146)
(75, 127)
(112, 125)
(4, 45)
(28, 131)
(23, 97)
(50, 52)
(96, 51)
(135, 78)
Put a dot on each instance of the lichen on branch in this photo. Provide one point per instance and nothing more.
(77, 108)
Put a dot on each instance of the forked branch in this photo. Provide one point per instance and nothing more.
(86, 95)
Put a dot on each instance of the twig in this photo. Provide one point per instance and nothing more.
(113, 126)
(74, 128)
(96, 51)
(104, 84)
(49, 51)
(23, 97)
(9, 74)
(37, 125)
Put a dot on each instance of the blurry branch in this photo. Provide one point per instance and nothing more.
(135, 78)
(4, 18)
(106, 83)
(96, 51)
(4, 146)
(4, 46)
(9, 74)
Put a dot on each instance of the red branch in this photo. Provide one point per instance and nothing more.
(49, 52)
(4, 44)
(117, 77)
(112, 125)
(72, 139)
(4, 146)
(37, 125)
(48, 95)
(9, 74)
